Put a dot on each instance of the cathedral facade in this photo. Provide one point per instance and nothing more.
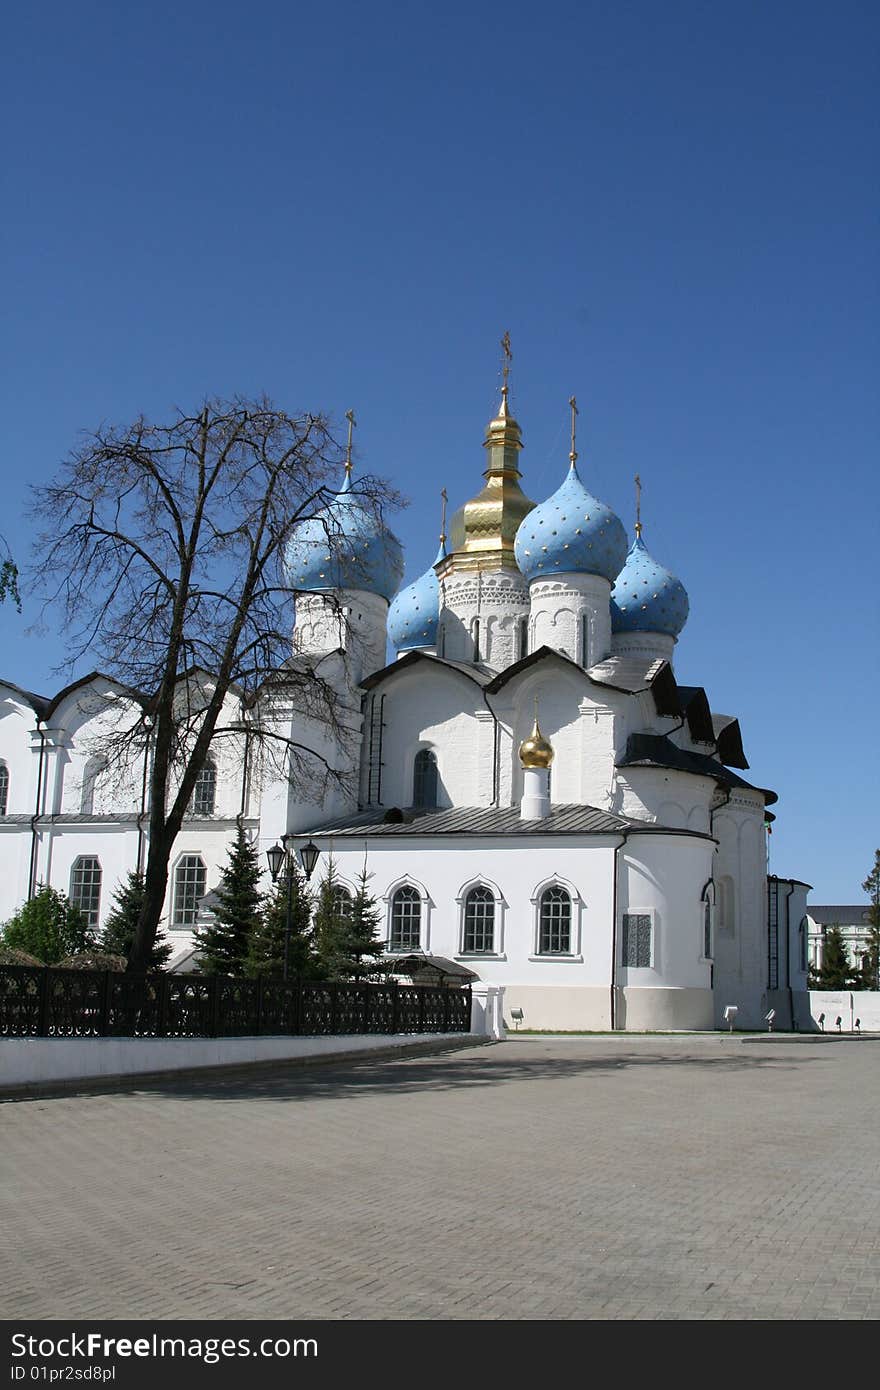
(540, 804)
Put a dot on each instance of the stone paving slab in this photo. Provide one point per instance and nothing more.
(609, 1178)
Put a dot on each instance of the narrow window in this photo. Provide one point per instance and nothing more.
(479, 921)
(189, 886)
(4, 788)
(585, 640)
(707, 929)
(475, 633)
(406, 919)
(202, 803)
(555, 933)
(425, 779)
(523, 649)
(637, 939)
(93, 769)
(85, 888)
(441, 639)
(802, 944)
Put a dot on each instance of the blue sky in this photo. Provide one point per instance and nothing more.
(672, 207)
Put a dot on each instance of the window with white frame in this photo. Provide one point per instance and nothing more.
(478, 937)
(189, 886)
(342, 903)
(85, 888)
(204, 791)
(4, 788)
(554, 922)
(406, 919)
(637, 945)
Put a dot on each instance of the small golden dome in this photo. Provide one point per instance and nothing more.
(535, 751)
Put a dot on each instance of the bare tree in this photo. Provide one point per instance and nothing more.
(163, 546)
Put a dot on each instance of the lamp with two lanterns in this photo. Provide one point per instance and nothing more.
(281, 857)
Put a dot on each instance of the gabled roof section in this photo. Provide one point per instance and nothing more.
(831, 916)
(136, 695)
(38, 703)
(476, 674)
(728, 741)
(634, 674)
(656, 750)
(695, 708)
(501, 821)
(533, 659)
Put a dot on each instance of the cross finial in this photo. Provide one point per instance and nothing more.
(349, 415)
(638, 505)
(574, 414)
(505, 368)
(443, 516)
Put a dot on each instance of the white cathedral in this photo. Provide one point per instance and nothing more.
(539, 802)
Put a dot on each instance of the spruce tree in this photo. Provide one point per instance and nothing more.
(365, 948)
(266, 945)
(225, 943)
(871, 967)
(119, 929)
(835, 972)
(346, 938)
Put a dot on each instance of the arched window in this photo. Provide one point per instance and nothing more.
(425, 779)
(479, 921)
(406, 919)
(802, 944)
(202, 803)
(441, 639)
(93, 770)
(554, 937)
(475, 637)
(342, 903)
(85, 888)
(189, 886)
(4, 788)
(522, 639)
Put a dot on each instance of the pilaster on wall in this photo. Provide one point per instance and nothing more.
(572, 614)
(482, 618)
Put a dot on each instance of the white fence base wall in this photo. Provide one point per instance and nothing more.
(863, 1004)
(37, 1061)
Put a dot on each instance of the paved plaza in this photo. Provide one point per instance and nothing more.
(702, 1177)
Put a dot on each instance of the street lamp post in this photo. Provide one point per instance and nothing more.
(278, 856)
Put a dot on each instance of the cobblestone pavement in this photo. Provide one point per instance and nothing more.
(541, 1178)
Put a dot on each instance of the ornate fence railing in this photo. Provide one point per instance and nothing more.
(39, 1002)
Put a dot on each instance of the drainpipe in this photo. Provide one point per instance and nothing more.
(788, 952)
(36, 816)
(496, 746)
(617, 848)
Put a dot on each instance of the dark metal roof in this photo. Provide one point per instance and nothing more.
(38, 703)
(840, 916)
(487, 820)
(728, 741)
(474, 673)
(415, 962)
(695, 708)
(780, 878)
(656, 750)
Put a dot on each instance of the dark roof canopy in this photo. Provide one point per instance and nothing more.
(840, 916)
(656, 750)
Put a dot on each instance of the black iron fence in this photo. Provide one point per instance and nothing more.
(49, 1003)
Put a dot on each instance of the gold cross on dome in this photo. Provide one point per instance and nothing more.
(505, 366)
(574, 414)
(638, 505)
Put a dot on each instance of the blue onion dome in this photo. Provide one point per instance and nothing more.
(415, 613)
(345, 546)
(646, 597)
(571, 533)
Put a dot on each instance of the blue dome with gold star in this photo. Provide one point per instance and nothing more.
(646, 597)
(345, 546)
(415, 613)
(571, 533)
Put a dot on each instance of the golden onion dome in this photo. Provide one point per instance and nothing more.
(535, 751)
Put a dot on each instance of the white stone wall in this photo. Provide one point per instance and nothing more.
(740, 874)
(644, 644)
(571, 614)
(352, 621)
(498, 602)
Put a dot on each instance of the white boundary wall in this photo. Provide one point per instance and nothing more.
(863, 1004)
